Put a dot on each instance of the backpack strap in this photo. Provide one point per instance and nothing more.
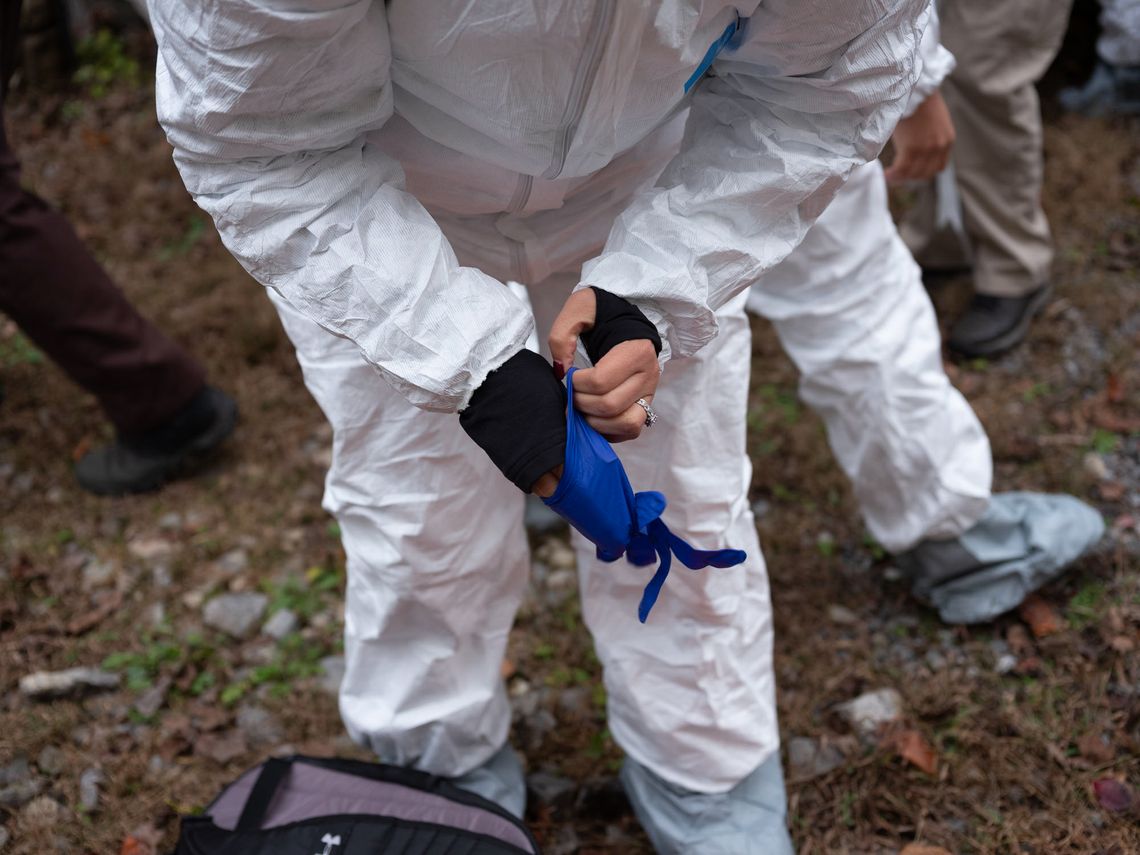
(273, 771)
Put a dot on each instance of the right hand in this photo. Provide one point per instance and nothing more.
(607, 393)
(923, 142)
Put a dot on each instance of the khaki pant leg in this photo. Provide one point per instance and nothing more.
(1002, 47)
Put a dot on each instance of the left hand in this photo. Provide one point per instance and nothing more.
(922, 141)
(607, 393)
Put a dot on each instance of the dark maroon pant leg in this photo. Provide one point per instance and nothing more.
(63, 301)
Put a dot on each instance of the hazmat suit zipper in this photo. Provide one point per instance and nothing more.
(581, 85)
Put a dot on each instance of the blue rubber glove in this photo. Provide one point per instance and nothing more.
(594, 495)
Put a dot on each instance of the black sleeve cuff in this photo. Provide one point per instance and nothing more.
(616, 320)
(518, 416)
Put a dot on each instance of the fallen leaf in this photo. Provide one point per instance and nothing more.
(85, 444)
(507, 669)
(1114, 389)
(1095, 748)
(913, 747)
(1030, 666)
(143, 840)
(1042, 618)
(923, 849)
(1112, 795)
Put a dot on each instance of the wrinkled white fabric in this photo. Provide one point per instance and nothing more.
(851, 311)
(276, 112)
(437, 565)
(1119, 42)
(936, 61)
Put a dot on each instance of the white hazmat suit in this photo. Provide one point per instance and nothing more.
(384, 167)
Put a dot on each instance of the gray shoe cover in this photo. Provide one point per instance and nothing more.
(499, 780)
(750, 819)
(1023, 541)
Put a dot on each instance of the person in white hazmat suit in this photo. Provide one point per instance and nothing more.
(383, 168)
(916, 454)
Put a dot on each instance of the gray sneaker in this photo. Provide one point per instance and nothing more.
(1112, 90)
(143, 463)
(1024, 541)
(992, 325)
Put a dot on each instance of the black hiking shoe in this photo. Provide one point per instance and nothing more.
(145, 462)
(992, 325)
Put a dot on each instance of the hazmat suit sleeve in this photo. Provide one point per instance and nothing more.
(268, 107)
(814, 89)
(937, 63)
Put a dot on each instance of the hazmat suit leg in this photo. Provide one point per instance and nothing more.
(691, 694)
(430, 596)
(851, 311)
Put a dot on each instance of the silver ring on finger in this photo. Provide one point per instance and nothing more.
(650, 416)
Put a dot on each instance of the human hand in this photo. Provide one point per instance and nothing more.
(922, 142)
(606, 394)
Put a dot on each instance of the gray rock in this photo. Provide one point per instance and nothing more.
(15, 772)
(89, 783)
(20, 793)
(233, 562)
(553, 790)
(97, 573)
(280, 624)
(160, 575)
(150, 548)
(842, 615)
(236, 615)
(935, 660)
(151, 701)
(1095, 466)
(575, 699)
(1005, 664)
(566, 842)
(50, 761)
(871, 710)
(72, 682)
(332, 673)
(810, 758)
(761, 508)
(5, 836)
(261, 729)
(170, 522)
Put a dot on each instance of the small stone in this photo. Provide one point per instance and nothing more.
(170, 522)
(160, 575)
(332, 673)
(842, 615)
(221, 747)
(15, 772)
(42, 813)
(868, 712)
(280, 624)
(50, 761)
(150, 548)
(935, 660)
(518, 687)
(259, 726)
(237, 615)
(18, 794)
(50, 685)
(575, 699)
(1005, 664)
(562, 580)
(151, 701)
(551, 789)
(559, 555)
(566, 842)
(233, 562)
(5, 836)
(810, 758)
(155, 614)
(892, 574)
(761, 508)
(1095, 466)
(89, 783)
(97, 573)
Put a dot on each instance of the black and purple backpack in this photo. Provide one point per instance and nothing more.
(325, 806)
